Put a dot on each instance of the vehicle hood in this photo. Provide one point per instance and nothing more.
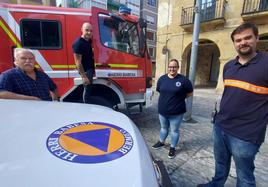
(68, 144)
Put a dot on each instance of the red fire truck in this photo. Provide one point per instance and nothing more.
(123, 66)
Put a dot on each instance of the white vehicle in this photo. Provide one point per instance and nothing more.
(52, 144)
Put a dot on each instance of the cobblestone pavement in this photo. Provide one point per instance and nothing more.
(194, 162)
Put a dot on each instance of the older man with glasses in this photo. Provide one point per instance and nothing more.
(26, 82)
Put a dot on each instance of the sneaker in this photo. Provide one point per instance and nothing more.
(209, 184)
(172, 152)
(158, 145)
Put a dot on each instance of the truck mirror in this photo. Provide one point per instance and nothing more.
(142, 42)
(142, 23)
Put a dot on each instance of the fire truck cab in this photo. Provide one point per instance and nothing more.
(123, 66)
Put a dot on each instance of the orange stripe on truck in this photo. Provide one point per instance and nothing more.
(246, 86)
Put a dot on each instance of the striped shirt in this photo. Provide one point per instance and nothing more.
(16, 81)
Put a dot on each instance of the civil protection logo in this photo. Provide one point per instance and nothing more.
(178, 84)
(89, 142)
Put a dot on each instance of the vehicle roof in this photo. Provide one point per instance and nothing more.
(28, 159)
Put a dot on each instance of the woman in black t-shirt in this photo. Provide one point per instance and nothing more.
(174, 88)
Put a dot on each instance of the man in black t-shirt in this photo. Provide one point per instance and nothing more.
(83, 56)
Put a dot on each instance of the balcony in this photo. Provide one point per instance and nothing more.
(253, 9)
(212, 13)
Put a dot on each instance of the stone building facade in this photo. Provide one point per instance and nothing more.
(215, 48)
(149, 13)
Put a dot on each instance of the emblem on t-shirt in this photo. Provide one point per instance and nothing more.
(178, 84)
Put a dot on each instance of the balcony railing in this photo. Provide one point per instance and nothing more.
(209, 11)
(254, 6)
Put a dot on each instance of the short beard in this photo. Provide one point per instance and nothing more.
(245, 53)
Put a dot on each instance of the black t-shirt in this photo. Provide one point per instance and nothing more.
(84, 48)
(173, 92)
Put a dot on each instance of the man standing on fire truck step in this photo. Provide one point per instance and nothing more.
(83, 56)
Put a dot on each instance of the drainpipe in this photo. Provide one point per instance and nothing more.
(193, 61)
(167, 51)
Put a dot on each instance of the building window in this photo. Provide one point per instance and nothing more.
(263, 5)
(40, 34)
(150, 19)
(208, 9)
(133, 2)
(151, 51)
(151, 2)
(150, 35)
(99, 5)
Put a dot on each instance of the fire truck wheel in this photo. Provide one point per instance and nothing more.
(99, 101)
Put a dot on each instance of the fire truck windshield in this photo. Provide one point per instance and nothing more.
(119, 34)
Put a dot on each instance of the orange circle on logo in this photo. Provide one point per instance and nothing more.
(116, 140)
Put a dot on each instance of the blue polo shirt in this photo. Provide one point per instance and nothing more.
(15, 80)
(244, 105)
(173, 92)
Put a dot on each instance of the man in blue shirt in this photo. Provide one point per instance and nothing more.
(24, 81)
(240, 125)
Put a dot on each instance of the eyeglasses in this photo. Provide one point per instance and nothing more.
(173, 67)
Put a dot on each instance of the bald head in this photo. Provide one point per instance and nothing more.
(86, 31)
(86, 24)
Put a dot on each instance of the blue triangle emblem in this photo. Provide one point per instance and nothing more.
(97, 138)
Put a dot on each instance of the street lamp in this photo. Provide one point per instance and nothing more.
(192, 72)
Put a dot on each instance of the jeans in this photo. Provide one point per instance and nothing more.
(243, 153)
(174, 122)
(88, 88)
